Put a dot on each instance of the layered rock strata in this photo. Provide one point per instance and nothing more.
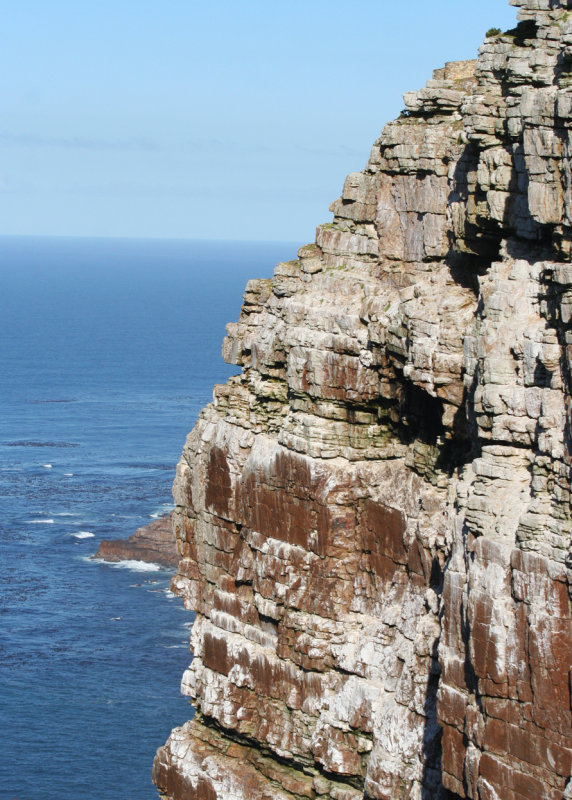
(374, 517)
(154, 543)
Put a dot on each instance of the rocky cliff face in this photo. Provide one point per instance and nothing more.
(374, 517)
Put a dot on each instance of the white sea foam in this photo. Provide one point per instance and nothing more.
(83, 535)
(47, 466)
(136, 566)
(162, 511)
(68, 474)
(40, 522)
(65, 514)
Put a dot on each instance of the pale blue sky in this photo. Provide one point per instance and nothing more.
(230, 120)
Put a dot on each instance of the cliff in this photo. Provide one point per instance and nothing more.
(374, 517)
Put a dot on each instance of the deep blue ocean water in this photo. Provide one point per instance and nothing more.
(108, 350)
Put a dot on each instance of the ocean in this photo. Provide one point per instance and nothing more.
(108, 351)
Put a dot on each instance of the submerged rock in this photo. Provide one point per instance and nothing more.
(154, 543)
(374, 517)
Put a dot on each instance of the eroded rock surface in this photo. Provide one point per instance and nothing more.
(374, 517)
(154, 543)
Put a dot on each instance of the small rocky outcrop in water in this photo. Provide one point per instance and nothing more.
(154, 543)
(374, 517)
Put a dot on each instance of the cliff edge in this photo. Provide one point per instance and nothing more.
(374, 517)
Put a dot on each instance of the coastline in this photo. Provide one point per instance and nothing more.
(154, 544)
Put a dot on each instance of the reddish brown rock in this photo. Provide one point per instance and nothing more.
(154, 543)
(374, 517)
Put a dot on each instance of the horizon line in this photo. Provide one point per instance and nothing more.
(143, 238)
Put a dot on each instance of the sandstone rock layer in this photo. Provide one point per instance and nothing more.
(374, 517)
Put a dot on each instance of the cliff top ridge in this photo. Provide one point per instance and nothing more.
(541, 5)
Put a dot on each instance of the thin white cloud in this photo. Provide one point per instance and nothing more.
(145, 144)
(77, 142)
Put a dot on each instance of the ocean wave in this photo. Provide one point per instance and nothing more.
(62, 400)
(162, 511)
(83, 535)
(134, 566)
(34, 443)
(47, 466)
(40, 522)
(147, 466)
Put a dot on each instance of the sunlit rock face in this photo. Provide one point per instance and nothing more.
(373, 518)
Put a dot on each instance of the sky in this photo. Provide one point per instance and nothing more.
(219, 120)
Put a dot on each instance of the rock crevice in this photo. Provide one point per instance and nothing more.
(374, 517)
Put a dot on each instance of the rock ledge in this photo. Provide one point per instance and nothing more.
(154, 543)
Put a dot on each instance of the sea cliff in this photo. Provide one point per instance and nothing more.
(374, 517)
